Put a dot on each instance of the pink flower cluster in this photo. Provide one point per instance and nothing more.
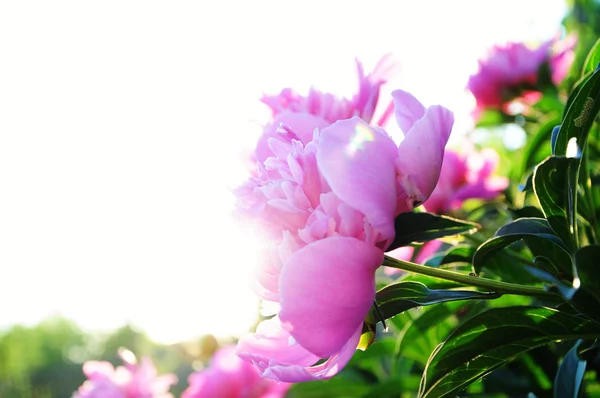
(130, 381)
(230, 377)
(326, 195)
(511, 71)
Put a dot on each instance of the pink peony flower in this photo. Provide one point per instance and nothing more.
(510, 72)
(466, 175)
(231, 377)
(328, 205)
(130, 381)
(304, 114)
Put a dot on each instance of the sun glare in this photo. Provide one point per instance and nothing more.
(122, 125)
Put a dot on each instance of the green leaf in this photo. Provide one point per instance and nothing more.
(570, 374)
(421, 227)
(399, 297)
(587, 297)
(431, 326)
(592, 60)
(580, 114)
(535, 230)
(586, 261)
(555, 185)
(459, 253)
(493, 338)
(336, 387)
(526, 211)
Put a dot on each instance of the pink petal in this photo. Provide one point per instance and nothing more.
(272, 343)
(278, 356)
(428, 250)
(421, 153)
(326, 290)
(408, 109)
(357, 161)
(212, 383)
(334, 364)
(95, 370)
(302, 124)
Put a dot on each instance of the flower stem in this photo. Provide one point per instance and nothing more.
(469, 280)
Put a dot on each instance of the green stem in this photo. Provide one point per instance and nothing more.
(469, 280)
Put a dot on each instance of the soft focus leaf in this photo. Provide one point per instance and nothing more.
(587, 297)
(399, 297)
(526, 211)
(555, 185)
(495, 337)
(592, 60)
(570, 374)
(422, 227)
(582, 107)
(458, 253)
(587, 260)
(336, 387)
(535, 230)
(431, 326)
(491, 117)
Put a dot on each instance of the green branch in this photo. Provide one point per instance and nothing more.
(469, 280)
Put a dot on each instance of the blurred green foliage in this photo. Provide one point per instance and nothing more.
(45, 360)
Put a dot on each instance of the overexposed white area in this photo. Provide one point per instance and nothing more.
(122, 124)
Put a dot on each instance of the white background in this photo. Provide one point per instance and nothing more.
(122, 124)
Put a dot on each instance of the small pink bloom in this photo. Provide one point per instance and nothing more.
(304, 114)
(130, 381)
(328, 206)
(466, 175)
(231, 377)
(406, 253)
(510, 72)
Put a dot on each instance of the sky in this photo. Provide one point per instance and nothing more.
(123, 126)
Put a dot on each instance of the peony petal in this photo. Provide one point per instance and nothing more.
(96, 370)
(302, 125)
(357, 162)
(407, 109)
(428, 250)
(212, 383)
(326, 289)
(332, 366)
(272, 343)
(421, 153)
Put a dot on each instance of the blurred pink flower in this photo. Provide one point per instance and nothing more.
(304, 114)
(510, 72)
(329, 206)
(426, 251)
(231, 377)
(130, 381)
(466, 175)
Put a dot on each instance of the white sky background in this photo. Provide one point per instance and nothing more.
(121, 124)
